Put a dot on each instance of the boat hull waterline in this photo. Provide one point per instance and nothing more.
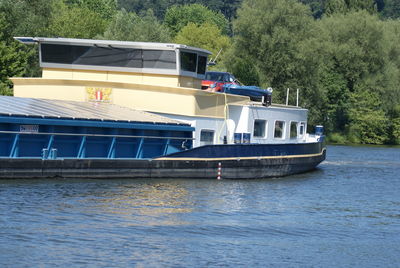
(207, 168)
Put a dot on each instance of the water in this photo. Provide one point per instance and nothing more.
(344, 214)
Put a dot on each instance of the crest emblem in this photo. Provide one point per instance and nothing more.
(98, 94)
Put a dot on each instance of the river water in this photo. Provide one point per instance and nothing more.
(344, 214)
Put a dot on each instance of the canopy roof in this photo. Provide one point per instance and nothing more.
(112, 43)
(60, 109)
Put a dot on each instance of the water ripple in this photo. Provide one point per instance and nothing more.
(344, 214)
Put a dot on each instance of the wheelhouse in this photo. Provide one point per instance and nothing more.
(119, 56)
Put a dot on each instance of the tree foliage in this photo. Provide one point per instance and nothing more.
(344, 6)
(13, 61)
(346, 64)
(226, 7)
(104, 8)
(343, 55)
(368, 123)
(75, 22)
(207, 36)
(361, 53)
(25, 17)
(270, 32)
(178, 17)
(391, 9)
(130, 26)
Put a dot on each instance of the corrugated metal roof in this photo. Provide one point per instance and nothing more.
(74, 41)
(44, 108)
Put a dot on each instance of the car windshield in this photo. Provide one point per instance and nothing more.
(217, 76)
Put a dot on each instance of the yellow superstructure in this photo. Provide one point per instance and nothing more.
(154, 77)
(148, 92)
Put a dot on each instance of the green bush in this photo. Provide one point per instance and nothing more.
(337, 138)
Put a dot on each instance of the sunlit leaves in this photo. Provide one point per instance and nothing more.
(132, 27)
(178, 17)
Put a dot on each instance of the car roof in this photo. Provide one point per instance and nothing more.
(216, 72)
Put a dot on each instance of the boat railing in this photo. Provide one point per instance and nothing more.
(94, 135)
(52, 145)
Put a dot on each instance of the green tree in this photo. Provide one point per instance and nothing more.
(226, 7)
(391, 9)
(344, 6)
(355, 45)
(336, 6)
(13, 61)
(343, 67)
(75, 22)
(269, 34)
(138, 6)
(243, 67)
(316, 6)
(178, 17)
(368, 122)
(331, 106)
(207, 36)
(26, 17)
(131, 27)
(105, 8)
(360, 75)
(395, 126)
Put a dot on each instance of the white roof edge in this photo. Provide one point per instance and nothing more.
(149, 45)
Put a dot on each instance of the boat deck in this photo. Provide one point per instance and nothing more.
(48, 129)
(44, 108)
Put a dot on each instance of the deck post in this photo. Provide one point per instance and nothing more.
(50, 143)
(140, 147)
(111, 151)
(15, 147)
(82, 148)
(167, 143)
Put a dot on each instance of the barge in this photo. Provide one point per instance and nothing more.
(112, 109)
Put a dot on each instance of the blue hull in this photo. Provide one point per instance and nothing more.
(244, 162)
(34, 145)
(249, 151)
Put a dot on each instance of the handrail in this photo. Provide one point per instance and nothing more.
(93, 135)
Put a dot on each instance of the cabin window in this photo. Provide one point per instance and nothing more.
(201, 65)
(279, 129)
(188, 61)
(293, 130)
(108, 56)
(259, 128)
(159, 59)
(207, 136)
(302, 127)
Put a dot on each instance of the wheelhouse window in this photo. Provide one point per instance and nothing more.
(302, 129)
(279, 129)
(293, 130)
(201, 65)
(108, 56)
(159, 59)
(207, 136)
(259, 128)
(188, 61)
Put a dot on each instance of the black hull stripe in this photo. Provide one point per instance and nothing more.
(240, 158)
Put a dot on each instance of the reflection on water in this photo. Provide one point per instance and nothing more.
(146, 199)
(346, 213)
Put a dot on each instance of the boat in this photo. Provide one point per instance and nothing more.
(116, 109)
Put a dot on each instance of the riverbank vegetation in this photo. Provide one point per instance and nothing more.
(343, 55)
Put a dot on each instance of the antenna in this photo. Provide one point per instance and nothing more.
(212, 62)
